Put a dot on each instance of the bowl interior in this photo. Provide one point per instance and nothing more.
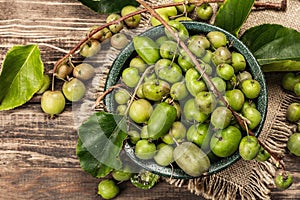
(128, 53)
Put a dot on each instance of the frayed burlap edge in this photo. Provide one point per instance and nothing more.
(217, 187)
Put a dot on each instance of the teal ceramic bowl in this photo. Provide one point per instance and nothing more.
(128, 53)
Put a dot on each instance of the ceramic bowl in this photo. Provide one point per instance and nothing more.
(128, 53)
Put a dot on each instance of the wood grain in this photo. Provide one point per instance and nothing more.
(37, 154)
(38, 161)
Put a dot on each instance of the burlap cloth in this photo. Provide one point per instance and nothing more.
(246, 179)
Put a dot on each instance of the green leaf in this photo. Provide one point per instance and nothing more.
(89, 163)
(108, 6)
(232, 15)
(271, 43)
(282, 66)
(21, 76)
(102, 135)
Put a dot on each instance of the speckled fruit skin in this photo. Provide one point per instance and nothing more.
(283, 180)
(53, 102)
(191, 159)
(84, 71)
(225, 141)
(108, 189)
(293, 112)
(249, 147)
(74, 89)
(145, 150)
(293, 144)
(140, 111)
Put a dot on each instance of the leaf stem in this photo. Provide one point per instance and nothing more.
(206, 77)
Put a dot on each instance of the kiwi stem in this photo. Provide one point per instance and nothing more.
(136, 88)
(70, 62)
(180, 15)
(206, 77)
(172, 167)
(176, 142)
(109, 90)
(52, 84)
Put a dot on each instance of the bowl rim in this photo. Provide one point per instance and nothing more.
(192, 26)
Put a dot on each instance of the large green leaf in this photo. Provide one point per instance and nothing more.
(102, 135)
(233, 14)
(21, 76)
(89, 163)
(108, 6)
(272, 43)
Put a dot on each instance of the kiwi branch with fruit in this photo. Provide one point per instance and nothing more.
(175, 67)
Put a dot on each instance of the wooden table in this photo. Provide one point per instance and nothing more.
(37, 154)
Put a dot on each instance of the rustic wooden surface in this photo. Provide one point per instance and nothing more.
(37, 155)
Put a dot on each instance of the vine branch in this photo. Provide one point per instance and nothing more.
(266, 5)
(73, 51)
(271, 6)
